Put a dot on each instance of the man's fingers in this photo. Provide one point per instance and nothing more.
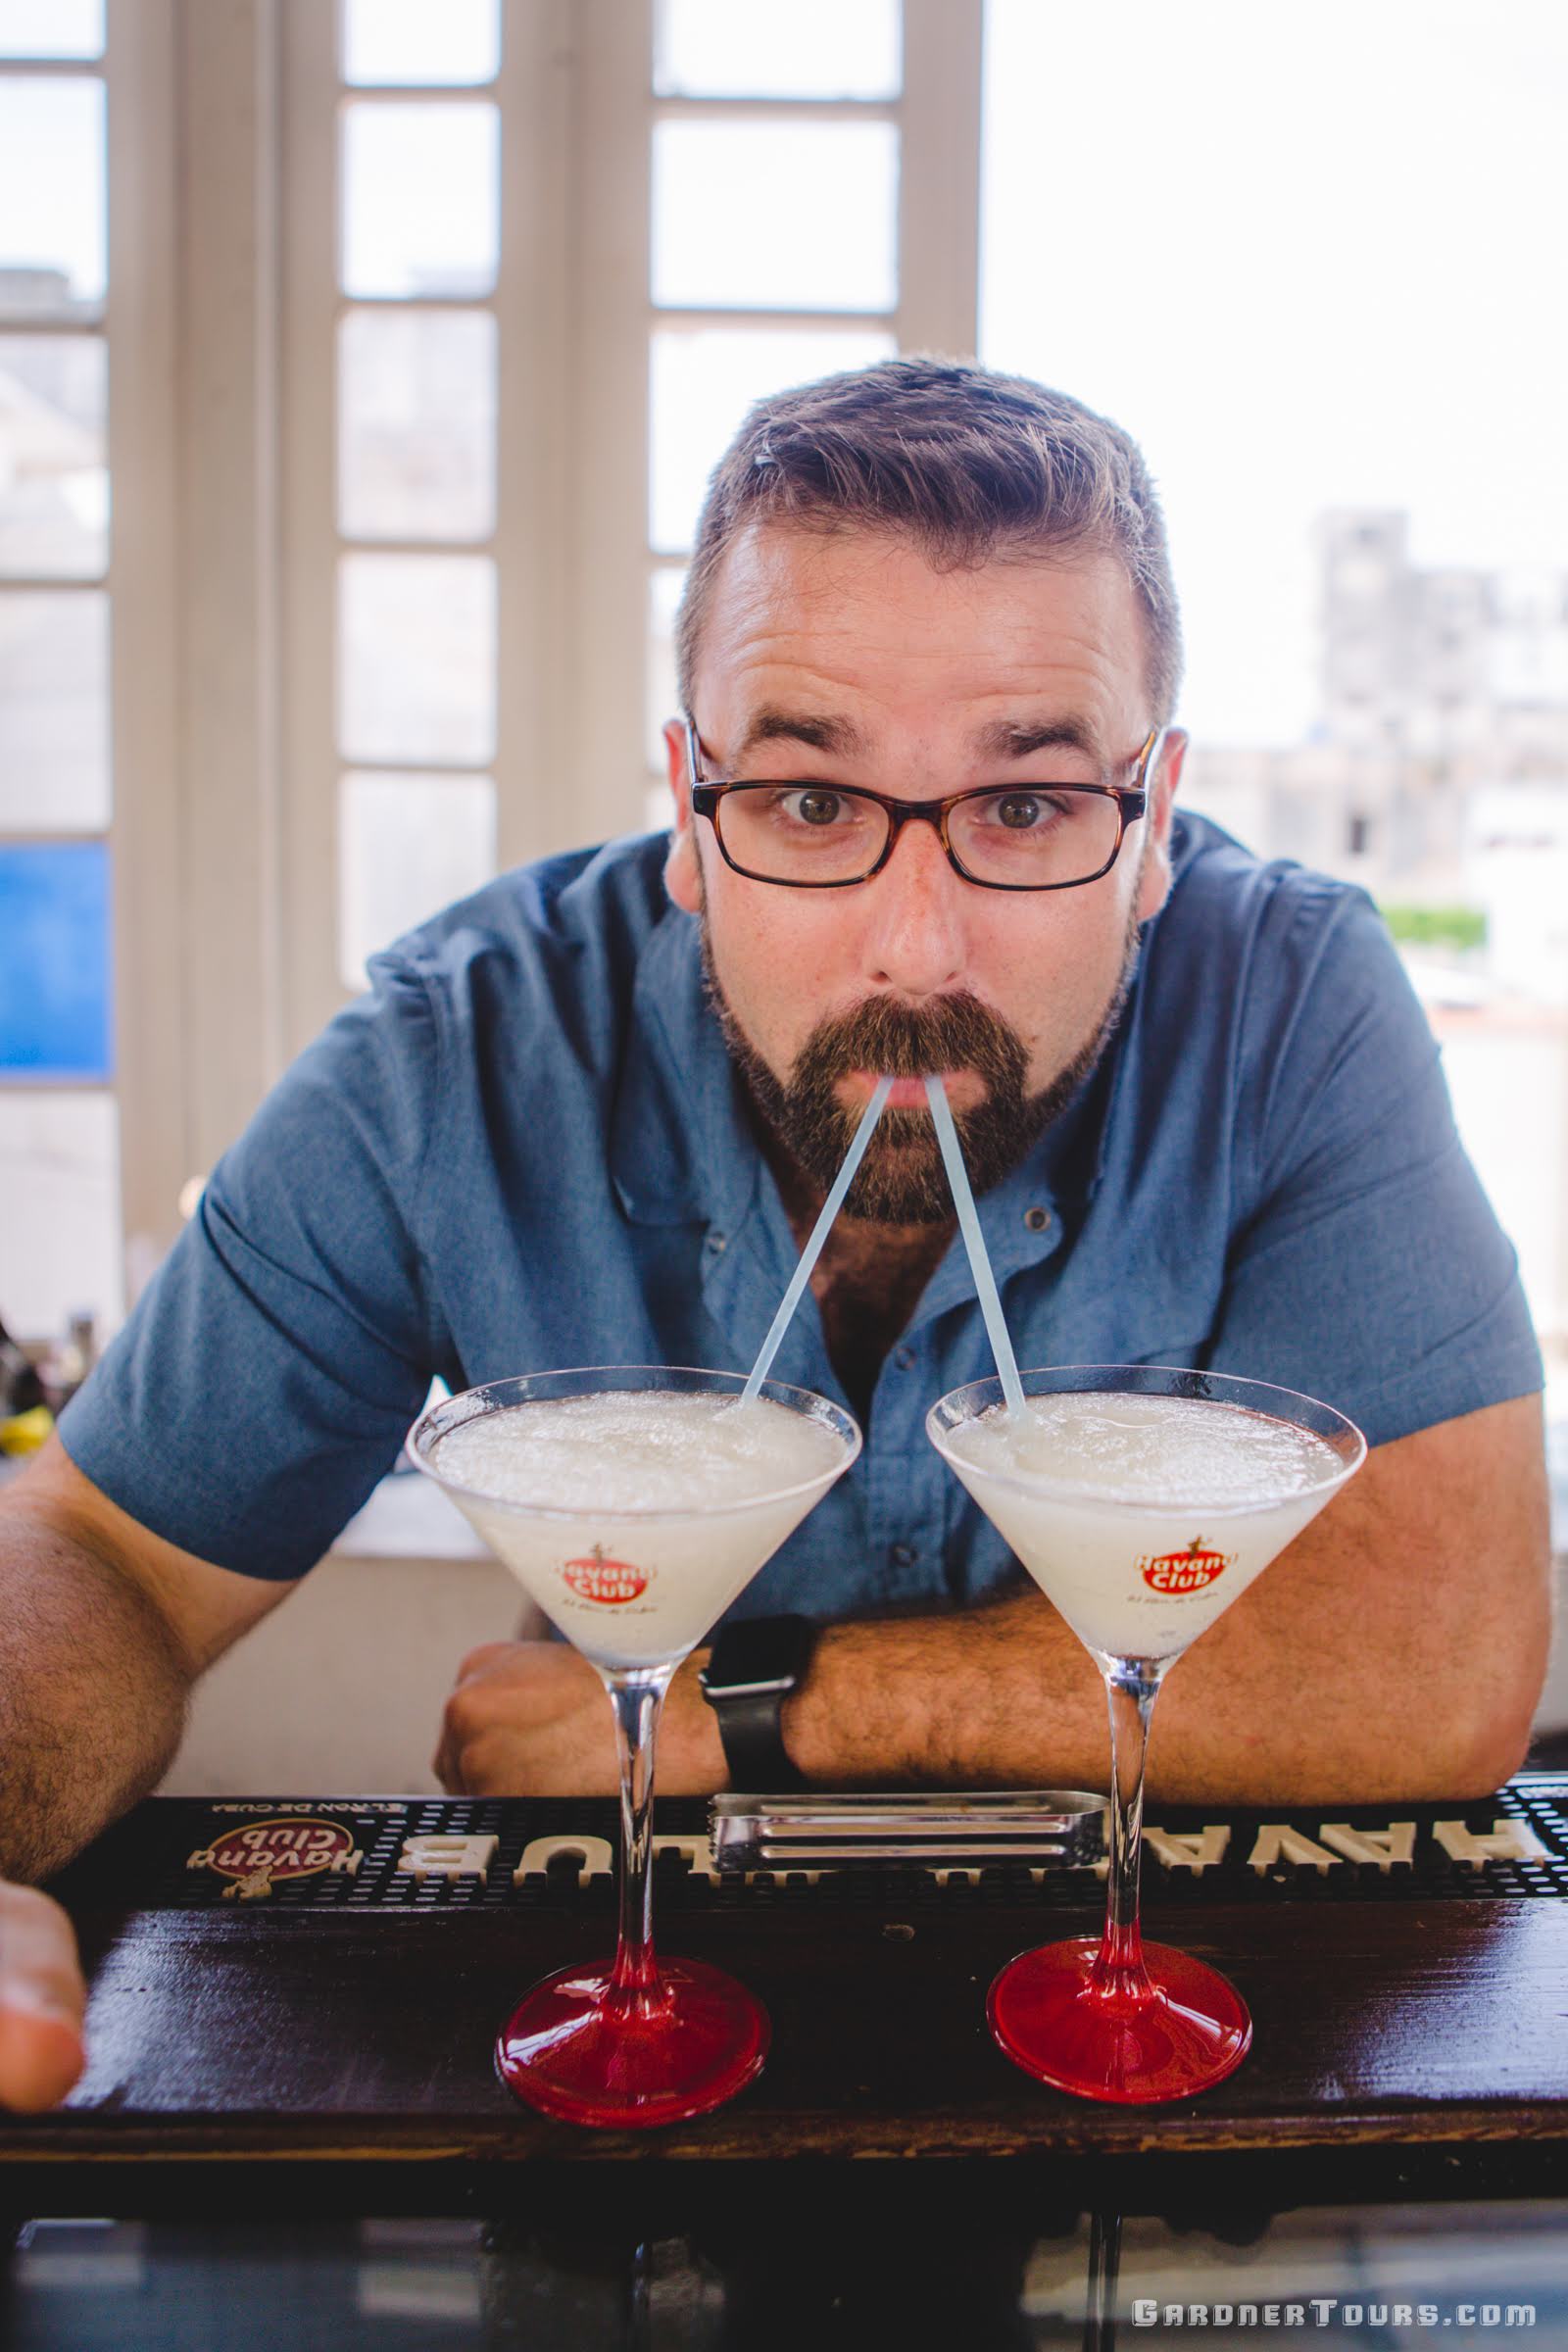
(40, 2057)
(479, 1659)
(42, 2002)
(444, 1763)
(38, 1966)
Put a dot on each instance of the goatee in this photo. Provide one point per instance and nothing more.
(901, 1180)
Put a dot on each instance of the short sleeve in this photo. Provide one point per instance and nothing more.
(266, 1379)
(1371, 1271)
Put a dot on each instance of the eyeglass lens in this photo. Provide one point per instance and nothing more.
(806, 833)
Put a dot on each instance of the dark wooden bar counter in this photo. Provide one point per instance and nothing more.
(291, 2122)
(347, 2013)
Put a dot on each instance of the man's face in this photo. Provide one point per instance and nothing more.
(848, 660)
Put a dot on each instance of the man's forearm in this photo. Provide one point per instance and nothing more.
(1395, 1648)
(92, 1695)
(1008, 1696)
(1274, 1705)
(1003, 1696)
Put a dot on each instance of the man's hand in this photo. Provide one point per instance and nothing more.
(530, 1719)
(42, 2002)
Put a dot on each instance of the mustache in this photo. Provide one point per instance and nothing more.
(903, 1041)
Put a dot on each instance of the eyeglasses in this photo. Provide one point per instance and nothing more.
(809, 836)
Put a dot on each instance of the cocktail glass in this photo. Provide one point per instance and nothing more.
(633, 1536)
(1142, 1500)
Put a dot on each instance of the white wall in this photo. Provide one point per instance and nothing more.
(341, 1689)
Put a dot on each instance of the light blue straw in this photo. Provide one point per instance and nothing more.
(819, 1233)
(974, 1240)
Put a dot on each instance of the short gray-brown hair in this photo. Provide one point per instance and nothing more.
(969, 464)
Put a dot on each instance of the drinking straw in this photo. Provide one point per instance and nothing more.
(974, 1240)
(819, 1233)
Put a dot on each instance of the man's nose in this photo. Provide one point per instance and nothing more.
(917, 939)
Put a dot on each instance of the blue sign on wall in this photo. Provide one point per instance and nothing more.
(54, 961)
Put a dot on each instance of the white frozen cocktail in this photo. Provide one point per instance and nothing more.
(634, 1517)
(1143, 1502)
(634, 1503)
(1143, 1517)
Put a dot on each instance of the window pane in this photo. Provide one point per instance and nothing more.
(54, 485)
(54, 959)
(408, 846)
(417, 657)
(663, 696)
(60, 1236)
(417, 421)
(704, 379)
(50, 27)
(54, 712)
(52, 250)
(409, 40)
(419, 198)
(755, 49)
(775, 215)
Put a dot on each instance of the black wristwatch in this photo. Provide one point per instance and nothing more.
(754, 1667)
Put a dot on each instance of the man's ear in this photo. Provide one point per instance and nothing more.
(682, 879)
(1154, 886)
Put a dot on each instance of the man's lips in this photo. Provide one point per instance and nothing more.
(908, 1094)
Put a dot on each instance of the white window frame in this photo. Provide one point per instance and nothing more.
(221, 312)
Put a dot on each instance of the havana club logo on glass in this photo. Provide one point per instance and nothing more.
(1185, 1571)
(610, 1582)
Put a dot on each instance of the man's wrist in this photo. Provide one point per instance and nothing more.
(812, 1723)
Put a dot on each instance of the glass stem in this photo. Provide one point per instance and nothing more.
(1131, 1687)
(637, 1694)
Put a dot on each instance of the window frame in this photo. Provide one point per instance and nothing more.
(222, 315)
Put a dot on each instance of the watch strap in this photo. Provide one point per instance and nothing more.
(751, 1727)
(751, 1671)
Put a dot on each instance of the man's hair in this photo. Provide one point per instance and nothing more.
(971, 464)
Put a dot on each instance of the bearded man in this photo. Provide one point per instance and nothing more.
(925, 820)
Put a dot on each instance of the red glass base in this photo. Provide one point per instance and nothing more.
(1190, 2030)
(688, 2045)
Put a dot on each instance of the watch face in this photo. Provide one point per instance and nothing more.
(760, 1654)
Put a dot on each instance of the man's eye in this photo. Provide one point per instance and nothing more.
(1020, 812)
(816, 805)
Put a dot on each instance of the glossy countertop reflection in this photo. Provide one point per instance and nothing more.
(1370, 2274)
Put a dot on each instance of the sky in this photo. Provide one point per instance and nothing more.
(1310, 257)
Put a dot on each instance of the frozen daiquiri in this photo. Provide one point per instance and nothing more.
(1143, 1516)
(633, 1502)
(1143, 1502)
(633, 1517)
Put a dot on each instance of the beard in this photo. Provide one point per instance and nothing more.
(901, 1180)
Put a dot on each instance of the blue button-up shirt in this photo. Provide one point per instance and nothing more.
(527, 1148)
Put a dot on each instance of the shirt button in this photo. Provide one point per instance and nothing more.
(718, 1243)
(1037, 1220)
(905, 1555)
(904, 1360)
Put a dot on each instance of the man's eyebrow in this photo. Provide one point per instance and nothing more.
(1019, 739)
(773, 724)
